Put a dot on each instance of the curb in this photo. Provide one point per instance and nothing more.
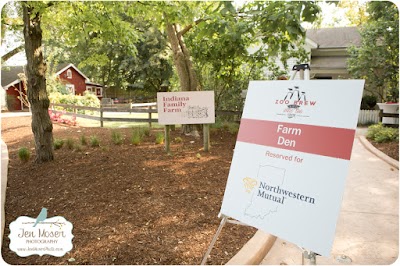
(254, 251)
(378, 153)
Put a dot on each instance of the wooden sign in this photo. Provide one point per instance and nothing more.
(186, 107)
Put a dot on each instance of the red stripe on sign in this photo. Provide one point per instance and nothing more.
(326, 141)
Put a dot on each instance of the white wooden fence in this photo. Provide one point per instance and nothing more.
(366, 117)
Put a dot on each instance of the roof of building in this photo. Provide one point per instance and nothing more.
(62, 67)
(9, 75)
(335, 37)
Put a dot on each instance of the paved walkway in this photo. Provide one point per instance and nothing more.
(367, 231)
(15, 114)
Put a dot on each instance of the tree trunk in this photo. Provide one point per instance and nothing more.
(42, 127)
(184, 67)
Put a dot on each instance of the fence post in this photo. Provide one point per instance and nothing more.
(150, 108)
(101, 116)
(167, 138)
(380, 115)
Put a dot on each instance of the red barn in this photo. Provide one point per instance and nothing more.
(75, 81)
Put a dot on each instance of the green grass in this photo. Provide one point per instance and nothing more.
(24, 154)
(83, 140)
(58, 143)
(116, 137)
(137, 137)
(70, 143)
(94, 141)
(160, 138)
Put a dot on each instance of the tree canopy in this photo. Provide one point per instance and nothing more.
(192, 45)
(377, 59)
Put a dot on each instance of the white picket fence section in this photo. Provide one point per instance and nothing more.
(368, 117)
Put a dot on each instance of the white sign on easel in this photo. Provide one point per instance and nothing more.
(291, 159)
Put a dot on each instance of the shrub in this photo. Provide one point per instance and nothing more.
(137, 137)
(88, 99)
(58, 143)
(160, 138)
(24, 154)
(368, 102)
(116, 137)
(380, 133)
(83, 140)
(94, 141)
(70, 143)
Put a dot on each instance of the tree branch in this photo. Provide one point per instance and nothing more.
(189, 27)
(13, 52)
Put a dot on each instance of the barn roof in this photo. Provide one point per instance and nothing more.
(9, 75)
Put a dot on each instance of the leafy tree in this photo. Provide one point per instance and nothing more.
(42, 127)
(220, 45)
(355, 11)
(11, 21)
(377, 59)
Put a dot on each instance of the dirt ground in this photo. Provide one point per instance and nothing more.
(389, 148)
(128, 204)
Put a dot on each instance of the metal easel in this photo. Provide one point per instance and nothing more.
(225, 219)
(304, 71)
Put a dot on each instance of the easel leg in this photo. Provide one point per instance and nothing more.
(310, 257)
(221, 225)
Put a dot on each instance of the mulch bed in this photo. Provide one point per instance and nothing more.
(128, 204)
(389, 148)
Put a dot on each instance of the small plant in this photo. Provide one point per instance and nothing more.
(70, 143)
(159, 138)
(137, 137)
(145, 131)
(83, 140)
(58, 143)
(380, 133)
(94, 141)
(78, 147)
(178, 140)
(117, 137)
(105, 148)
(24, 154)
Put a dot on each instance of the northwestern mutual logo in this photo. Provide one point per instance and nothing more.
(294, 102)
(269, 192)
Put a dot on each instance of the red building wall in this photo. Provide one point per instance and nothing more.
(13, 103)
(77, 80)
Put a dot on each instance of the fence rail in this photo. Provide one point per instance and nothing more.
(365, 116)
(98, 114)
